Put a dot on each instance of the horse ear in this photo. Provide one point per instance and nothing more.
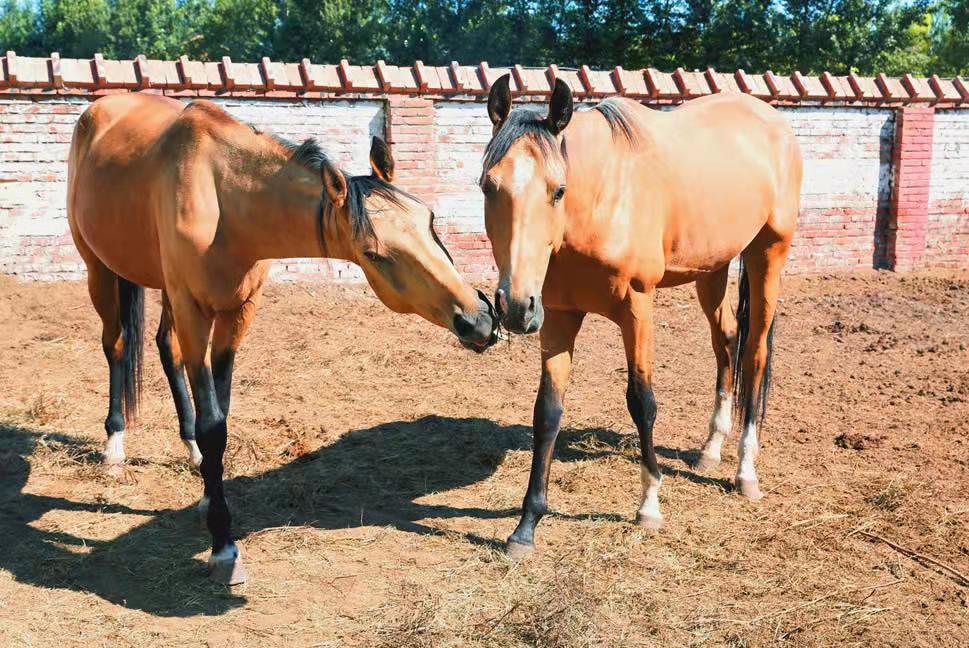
(560, 107)
(334, 183)
(381, 161)
(499, 101)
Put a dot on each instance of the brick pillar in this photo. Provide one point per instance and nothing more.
(911, 174)
(409, 123)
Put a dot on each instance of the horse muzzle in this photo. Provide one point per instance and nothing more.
(480, 331)
(520, 315)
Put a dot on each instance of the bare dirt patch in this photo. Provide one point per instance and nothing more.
(375, 468)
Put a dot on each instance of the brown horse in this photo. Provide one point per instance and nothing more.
(591, 213)
(195, 203)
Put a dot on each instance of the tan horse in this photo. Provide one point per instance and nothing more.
(193, 202)
(591, 213)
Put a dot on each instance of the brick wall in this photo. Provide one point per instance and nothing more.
(947, 232)
(846, 188)
(886, 160)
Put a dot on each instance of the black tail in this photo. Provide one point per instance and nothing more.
(131, 298)
(746, 409)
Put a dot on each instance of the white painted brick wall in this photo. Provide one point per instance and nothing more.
(846, 188)
(947, 235)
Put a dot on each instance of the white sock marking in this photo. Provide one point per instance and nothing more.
(227, 553)
(194, 454)
(650, 506)
(114, 449)
(747, 453)
(720, 423)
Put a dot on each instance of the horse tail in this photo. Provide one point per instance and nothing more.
(131, 299)
(743, 401)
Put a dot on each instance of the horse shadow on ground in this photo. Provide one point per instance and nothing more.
(368, 477)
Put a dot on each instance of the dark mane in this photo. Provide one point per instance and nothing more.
(311, 155)
(616, 112)
(527, 122)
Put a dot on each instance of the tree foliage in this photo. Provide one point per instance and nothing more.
(865, 36)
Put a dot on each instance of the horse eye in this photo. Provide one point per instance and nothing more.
(374, 257)
(557, 196)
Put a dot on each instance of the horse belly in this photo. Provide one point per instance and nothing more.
(704, 235)
(123, 237)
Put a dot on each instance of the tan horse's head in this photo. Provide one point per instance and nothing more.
(523, 181)
(391, 236)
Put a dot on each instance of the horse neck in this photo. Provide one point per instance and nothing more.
(593, 155)
(283, 219)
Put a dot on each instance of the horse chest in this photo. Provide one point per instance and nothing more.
(580, 283)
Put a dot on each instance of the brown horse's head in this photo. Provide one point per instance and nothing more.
(392, 237)
(523, 181)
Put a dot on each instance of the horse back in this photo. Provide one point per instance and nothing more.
(725, 167)
(112, 183)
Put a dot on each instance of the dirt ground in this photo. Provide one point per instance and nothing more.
(375, 468)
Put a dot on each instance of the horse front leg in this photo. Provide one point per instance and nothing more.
(637, 336)
(193, 326)
(558, 342)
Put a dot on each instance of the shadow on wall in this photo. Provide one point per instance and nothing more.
(883, 215)
(369, 477)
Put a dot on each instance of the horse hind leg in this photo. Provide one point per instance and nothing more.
(120, 305)
(711, 292)
(763, 261)
(172, 362)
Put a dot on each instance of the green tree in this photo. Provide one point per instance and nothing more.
(76, 28)
(328, 30)
(949, 35)
(156, 28)
(845, 35)
(242, 29)
(19, 28)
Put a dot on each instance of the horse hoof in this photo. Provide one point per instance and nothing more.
(749, 488)
(706, 464)
(517, 551)
(228, 572)
(651, 522)
(113, 468)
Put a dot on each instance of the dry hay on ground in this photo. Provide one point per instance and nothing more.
(375, 468)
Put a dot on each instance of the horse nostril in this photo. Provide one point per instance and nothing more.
(501, 302)
(463, 325)
(530, 311)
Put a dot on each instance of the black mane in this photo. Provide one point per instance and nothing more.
(616, 112)
(528, 122)
(311, 155)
